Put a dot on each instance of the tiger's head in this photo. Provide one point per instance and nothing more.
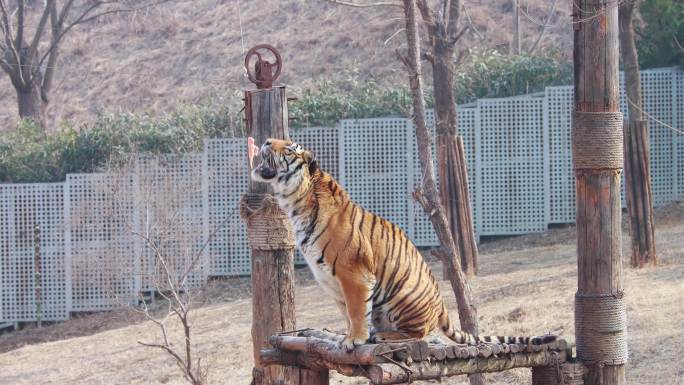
(284, 165)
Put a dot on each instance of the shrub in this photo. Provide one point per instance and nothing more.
(29, 155)
(663, 22)
(487, 74)
(490, 74)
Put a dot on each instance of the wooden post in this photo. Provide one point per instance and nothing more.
(545, 375)
(638, 193)
(600, 323)
(273, 309)
(637, 169)
(453, 189)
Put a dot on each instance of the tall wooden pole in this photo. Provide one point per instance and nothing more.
(273, 309)
(600, 322)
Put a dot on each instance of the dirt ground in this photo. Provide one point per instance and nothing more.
(525, 286)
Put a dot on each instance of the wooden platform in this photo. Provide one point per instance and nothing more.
(407, 360)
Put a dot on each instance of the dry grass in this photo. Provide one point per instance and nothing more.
(526, 286)
(188, 50)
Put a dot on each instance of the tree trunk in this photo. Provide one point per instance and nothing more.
(637, 171)
(515, 45)
(453, 169)
(31, 104)
(600, 322)
(429, 198)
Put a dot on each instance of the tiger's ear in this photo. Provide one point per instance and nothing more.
(310, 159)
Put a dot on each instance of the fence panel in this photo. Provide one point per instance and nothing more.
(678, 125)
(423, 233)
(375, 166)
(557, 120)
(324, 143)
(6, 298)
(170, 206)
(657, 102)
(226, 180)
(467, 129)
(105, 256)
(23, 207)
(421, 230)
(512, 166)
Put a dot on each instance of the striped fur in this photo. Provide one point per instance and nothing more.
(369, 266)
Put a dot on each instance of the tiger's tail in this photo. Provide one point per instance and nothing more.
(461, 337)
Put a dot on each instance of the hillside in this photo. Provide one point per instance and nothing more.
(186, 51)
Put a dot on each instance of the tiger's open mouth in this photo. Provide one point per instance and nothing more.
(267, 167)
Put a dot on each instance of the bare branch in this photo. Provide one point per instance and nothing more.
(33, 49)
(546, 24)
(20, 23)
(62, 14)
(393, 35)
(404, 61)
(5, 65)
(470, 23)
(365, 5)
(461, 57)
(7, 30)
(453, 17)
(428, 15)
(56, 25)
(676, 41)
(429, 57)
(86, 17)
(167, 349)
(459, 35)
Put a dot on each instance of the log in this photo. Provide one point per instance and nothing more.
(323, 334)
(413, 349)
(427, 370)
(391, 373)
(437, 352)
(330, 350)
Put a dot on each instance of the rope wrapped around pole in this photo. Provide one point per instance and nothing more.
(600, 328)
(597, 140)
(267, 225)
(572, 373)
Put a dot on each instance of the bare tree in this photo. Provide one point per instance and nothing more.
(444, 34)
(172, 248)
(637, 169)
(29, 53)
(429, 196)
(179, 305)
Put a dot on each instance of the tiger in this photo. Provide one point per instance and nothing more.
(367, 264)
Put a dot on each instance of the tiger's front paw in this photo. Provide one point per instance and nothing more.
(349, 343)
